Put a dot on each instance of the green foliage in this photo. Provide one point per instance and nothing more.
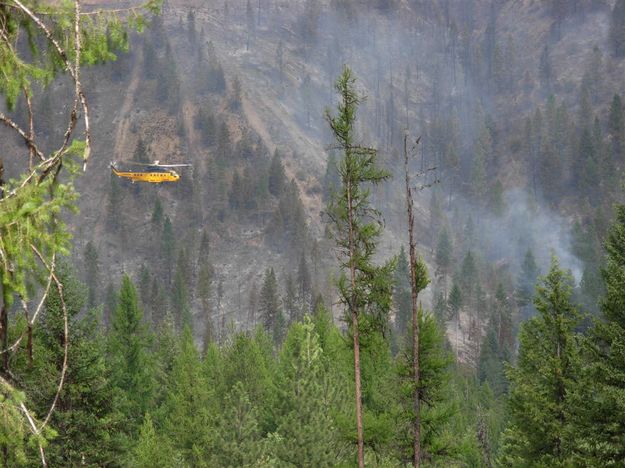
(277, 177)
(152, 449)
(14, 430)
(188, 405)
(540, 385)
(30, 218)
(269, 306)
(85, 419)
(436, 406)
(288, 222)
(237, 440)
(129, 358)
(356, 225)
(601, 401)
(307, 398)
(402, 294)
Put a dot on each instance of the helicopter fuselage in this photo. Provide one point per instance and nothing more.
(154, 175)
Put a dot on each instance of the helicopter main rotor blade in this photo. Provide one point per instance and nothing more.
(137, 163)
(175, 165)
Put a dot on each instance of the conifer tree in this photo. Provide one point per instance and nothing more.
(364, 288)
(541, 382)
(443, 256)
(254, 374)
(601, 436)
(180, 301)
(616, 127)
(237, 439)
(92, 273)
(204, 287)
(290, 300)
(85, 417)
(401, 294)
(168, 247)
(151, 449)
(269, 305)
(545, 71)
(617, 28)
(141, 152)
(129, 357)
(525, 284)
(157, 213)
(144, 286)
(455, 301)
(304, 283)
(307, 399)
(434, 402)
(277, 178)
(188, 405)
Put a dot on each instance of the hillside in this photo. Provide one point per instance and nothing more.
(265, 307)
(285, 68)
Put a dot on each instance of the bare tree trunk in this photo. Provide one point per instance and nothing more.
(355, 332)
(415, 314)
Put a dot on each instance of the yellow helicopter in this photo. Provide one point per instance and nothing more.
(154, 173)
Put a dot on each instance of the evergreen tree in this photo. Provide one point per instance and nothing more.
(402, 295)
(586, 165)
(525, 284)
(191, 27)
(180, 305)
(141, 152)
(151, 449)
(277, 178)
(468, 274)
(365, 289)
(92, 273)
(617, 28)
(497, 347)
(545, 71)
(168, 247)
(540, 421)
(331, 180)
(290, 300)
(115, 198)
(85, 417)
(188, 405)
(237, 439)
(269, 305)
(435, 405)
(224, 145)
(478, 176)
(455, 301)
(304, 283)
(307, 399)
(145, 284)
(443, 256)
(129, 358)
(204, 287)
(254, 374)
(601, 435)
(616, 128)
(157, 213)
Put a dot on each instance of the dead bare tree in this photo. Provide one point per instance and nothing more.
(418, 281)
